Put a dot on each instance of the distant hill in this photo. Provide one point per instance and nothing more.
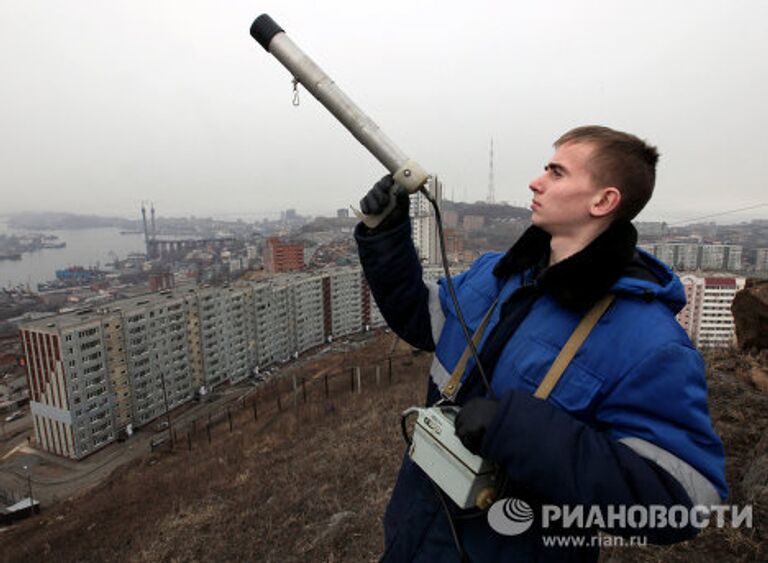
(45, 221)
(489, 211)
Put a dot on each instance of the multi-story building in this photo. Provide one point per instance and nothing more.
(282, 256)
(423, 223)
(224, 332)
(473, 223)
(761, 260)
(450, 218)
(96, 373)
(686, 256)
(712, 256)
(71, 396)
(157, 355)
(307, 312)
(707, 315)
(273, 335)
(345, 287)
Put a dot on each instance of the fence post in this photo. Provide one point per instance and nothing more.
(304, 389)
(352, 380)
(359, 380)
(390, 370)
(295, 391)
(255, 413)
(229, 416)
(326, 386)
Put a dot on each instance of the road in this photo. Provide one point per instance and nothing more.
(55, 478)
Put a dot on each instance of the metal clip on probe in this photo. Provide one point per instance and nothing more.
(406, 172)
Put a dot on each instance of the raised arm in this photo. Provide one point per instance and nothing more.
(391, 266)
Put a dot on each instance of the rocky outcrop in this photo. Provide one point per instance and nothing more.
(750, 314)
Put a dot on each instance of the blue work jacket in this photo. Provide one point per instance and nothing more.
(627, 424)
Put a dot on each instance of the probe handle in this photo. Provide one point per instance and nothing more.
(406, 172)
(372, 221)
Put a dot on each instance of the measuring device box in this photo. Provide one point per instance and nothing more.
(466, 478)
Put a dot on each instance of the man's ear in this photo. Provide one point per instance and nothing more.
(605, 202)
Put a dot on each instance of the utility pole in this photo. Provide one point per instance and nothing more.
(491, 187)
(28, 469)
(167, 411)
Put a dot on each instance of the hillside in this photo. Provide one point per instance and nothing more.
(311, 483)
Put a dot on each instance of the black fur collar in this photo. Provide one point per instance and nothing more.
(580, 280)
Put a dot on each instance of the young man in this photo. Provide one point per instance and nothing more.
(627, 424)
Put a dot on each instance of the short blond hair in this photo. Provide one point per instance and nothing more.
(620, 160)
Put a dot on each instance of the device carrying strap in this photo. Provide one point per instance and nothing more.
(557, 368)
(572, 346)
(450, 388)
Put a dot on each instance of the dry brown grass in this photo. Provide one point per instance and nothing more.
(311, 483)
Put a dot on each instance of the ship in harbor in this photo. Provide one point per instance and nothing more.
(80, 275)
(10, 255)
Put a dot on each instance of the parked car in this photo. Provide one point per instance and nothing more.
(160, 426)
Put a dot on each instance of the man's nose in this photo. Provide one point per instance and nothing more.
(535, 185)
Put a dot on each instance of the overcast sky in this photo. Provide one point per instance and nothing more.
(103, 104)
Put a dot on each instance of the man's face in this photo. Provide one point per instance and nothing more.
(564, 196)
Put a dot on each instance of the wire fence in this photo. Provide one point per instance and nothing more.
(300, 394)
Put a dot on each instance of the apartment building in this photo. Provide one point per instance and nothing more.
(345, 300)
(691, 256)
(71, 396)
(761, 260)
(95, 373)
(307, 312)
(157, 356)
(271, 308)
(225, 328)
(707, 315)
(282, 256)
(424, 224)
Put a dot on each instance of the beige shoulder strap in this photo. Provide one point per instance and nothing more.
(450, 388)
(561, 362)
(572, 346)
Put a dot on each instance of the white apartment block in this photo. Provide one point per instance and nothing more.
(97, 372)
(686, 256)
(707, 315)
(224, 332)
(424, 224)
(272, 329)
(346, 301)
(156, 352)
(761, 260)
(307, 312)
(71, 398)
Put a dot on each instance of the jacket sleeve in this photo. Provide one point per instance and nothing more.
(394, 274)
(644, 453)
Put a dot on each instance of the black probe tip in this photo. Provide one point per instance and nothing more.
(263, 29)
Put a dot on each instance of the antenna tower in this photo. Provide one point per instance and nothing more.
(491, 188)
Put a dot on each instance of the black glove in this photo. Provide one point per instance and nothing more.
(473, 421)
(377, 199)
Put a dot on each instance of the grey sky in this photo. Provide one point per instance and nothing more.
(103, 104)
